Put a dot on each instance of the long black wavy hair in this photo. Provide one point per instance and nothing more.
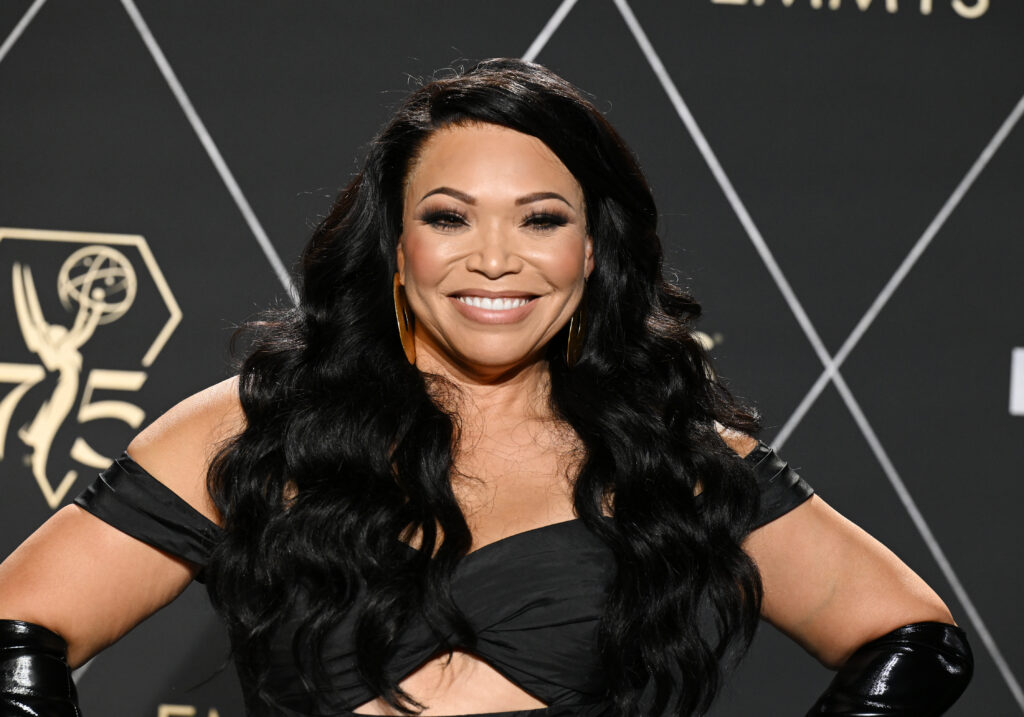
(347, 448)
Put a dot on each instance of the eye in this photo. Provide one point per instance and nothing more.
(545, 221)
(444, 219)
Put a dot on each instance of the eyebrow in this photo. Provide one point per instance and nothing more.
(525, 199)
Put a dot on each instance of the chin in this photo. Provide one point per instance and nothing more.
(480, 361)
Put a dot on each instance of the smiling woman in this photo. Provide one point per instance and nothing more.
(533, 498)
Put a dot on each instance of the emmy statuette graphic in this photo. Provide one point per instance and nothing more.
(97, 284)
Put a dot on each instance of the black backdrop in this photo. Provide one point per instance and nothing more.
(839, 182)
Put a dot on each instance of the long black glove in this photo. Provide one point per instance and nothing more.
(35, 680)
(919, 669)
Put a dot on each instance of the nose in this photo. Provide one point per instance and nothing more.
(494, 254)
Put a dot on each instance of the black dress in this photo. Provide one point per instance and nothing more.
(535, 597)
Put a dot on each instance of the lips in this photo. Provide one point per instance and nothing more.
(493, 307)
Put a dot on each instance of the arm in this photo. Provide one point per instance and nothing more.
(832, 587)
(858, 609)
(89, 583)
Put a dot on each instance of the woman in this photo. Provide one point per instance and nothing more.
(533, 498)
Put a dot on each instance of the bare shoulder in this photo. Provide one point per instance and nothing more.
(177, 447)
(740, 442)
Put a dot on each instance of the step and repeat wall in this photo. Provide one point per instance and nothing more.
(840, 182)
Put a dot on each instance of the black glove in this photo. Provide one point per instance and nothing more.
(919, 669)
(35, 680)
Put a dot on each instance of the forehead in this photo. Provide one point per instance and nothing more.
(488, 160)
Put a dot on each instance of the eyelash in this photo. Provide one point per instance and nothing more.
(447, 219)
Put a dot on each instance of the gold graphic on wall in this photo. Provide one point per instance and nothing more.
(97, 284)
(182, 711)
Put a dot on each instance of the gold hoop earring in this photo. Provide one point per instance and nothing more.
(574, 342)
(405, 321)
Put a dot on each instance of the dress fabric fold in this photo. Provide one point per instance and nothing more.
(126, 496)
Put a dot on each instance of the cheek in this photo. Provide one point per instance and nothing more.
(565, 264)
(425, 261)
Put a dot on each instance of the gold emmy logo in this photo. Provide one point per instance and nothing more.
(96, 285)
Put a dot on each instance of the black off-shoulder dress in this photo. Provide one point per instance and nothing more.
(534, 597)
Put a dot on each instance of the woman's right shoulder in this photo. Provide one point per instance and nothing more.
(178, 447)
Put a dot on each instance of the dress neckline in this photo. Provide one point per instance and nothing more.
(521, 535)
(754, 458)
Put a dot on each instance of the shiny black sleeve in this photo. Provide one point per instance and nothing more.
(918, 669)
(136, 503)
(781, 488)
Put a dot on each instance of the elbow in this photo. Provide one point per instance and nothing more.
(920, 669)
(19, 623)
(34, 675)
(934, 613)
(924, 607)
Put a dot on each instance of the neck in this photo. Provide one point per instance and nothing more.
(490, 397)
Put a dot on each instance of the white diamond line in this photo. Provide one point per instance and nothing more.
(548, 30)
(20, 28)
(79, 673)
(861, 420)
(901, 273)
(723, 181)
(779, 439)
(211, 149)
(929, 538)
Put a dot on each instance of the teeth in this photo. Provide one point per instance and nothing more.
(496, 304)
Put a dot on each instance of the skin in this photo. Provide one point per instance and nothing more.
(828, 584)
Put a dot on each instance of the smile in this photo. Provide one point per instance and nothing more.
(497, 303)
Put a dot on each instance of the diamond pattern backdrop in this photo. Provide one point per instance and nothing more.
(840, 183)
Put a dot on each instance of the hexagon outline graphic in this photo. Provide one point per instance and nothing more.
(136, 240)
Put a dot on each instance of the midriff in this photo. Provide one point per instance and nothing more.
(463, 684)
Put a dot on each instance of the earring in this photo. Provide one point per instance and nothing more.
(574, 343)
(405, 321)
